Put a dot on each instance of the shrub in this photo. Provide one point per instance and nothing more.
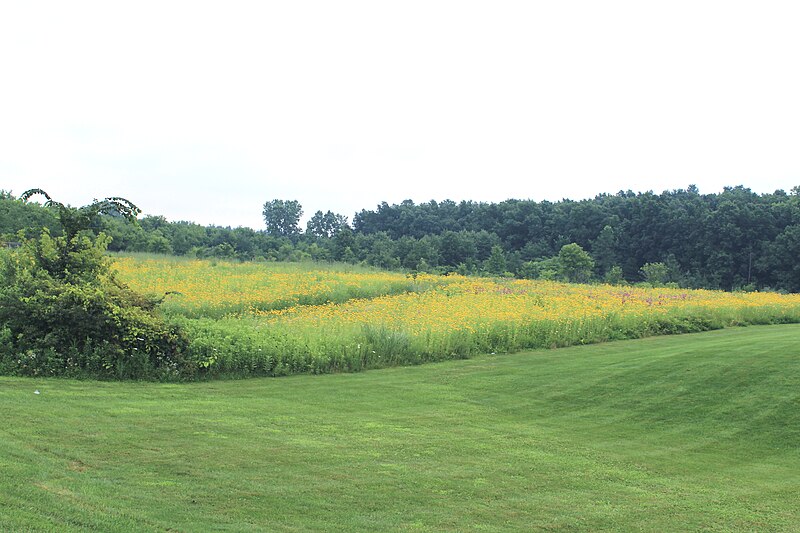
(63, 312)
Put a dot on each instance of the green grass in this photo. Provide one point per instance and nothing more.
(692, 432)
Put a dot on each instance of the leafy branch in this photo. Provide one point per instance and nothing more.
(74, 220)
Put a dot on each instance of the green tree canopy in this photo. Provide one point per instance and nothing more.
(74, 220)
(282, 217)
(575, 263)
(325, 224)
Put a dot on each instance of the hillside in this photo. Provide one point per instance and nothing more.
(662, 434)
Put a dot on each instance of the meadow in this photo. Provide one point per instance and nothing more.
(664, 433)
(254, 319)
(675, 433)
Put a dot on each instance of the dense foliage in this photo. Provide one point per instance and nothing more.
(63, 311)
(282, 218)
(736, 239)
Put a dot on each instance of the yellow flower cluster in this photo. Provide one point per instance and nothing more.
(200, 287)
(471, 304)
(322, 302)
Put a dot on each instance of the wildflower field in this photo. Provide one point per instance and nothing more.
(248, 319)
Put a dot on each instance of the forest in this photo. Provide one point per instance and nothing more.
(732, 240)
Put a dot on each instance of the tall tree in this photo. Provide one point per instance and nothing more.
(282, 217)
(325, 224)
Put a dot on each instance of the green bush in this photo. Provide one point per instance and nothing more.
(62, 312)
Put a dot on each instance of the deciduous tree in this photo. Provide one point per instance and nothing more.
(282, 217)
(575, 263)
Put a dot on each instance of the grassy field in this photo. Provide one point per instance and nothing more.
(692, 432)
(259, 319)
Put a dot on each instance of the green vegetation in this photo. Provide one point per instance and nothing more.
(203, 319)
(250, 319)
(249, 346)
(66, 312)
(63, 312)
(733, 240)
(697, 432)
(218, 288)
(282, 218)
(575, 264)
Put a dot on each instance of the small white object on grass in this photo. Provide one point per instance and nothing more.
(36, 391)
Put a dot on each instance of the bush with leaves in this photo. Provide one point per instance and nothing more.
(575, 264)
(63, 312)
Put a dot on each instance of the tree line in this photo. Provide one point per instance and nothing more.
(735, 239)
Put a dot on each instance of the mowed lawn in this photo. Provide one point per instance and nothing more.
(692, 432)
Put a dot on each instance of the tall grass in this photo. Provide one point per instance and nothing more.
(278, 319)
(214, 289)
(247, 346)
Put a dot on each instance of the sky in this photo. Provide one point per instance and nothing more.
(203, 111)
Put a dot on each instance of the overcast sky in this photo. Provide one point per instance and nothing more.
(203, 111)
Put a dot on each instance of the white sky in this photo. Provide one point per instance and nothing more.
(203, 111)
